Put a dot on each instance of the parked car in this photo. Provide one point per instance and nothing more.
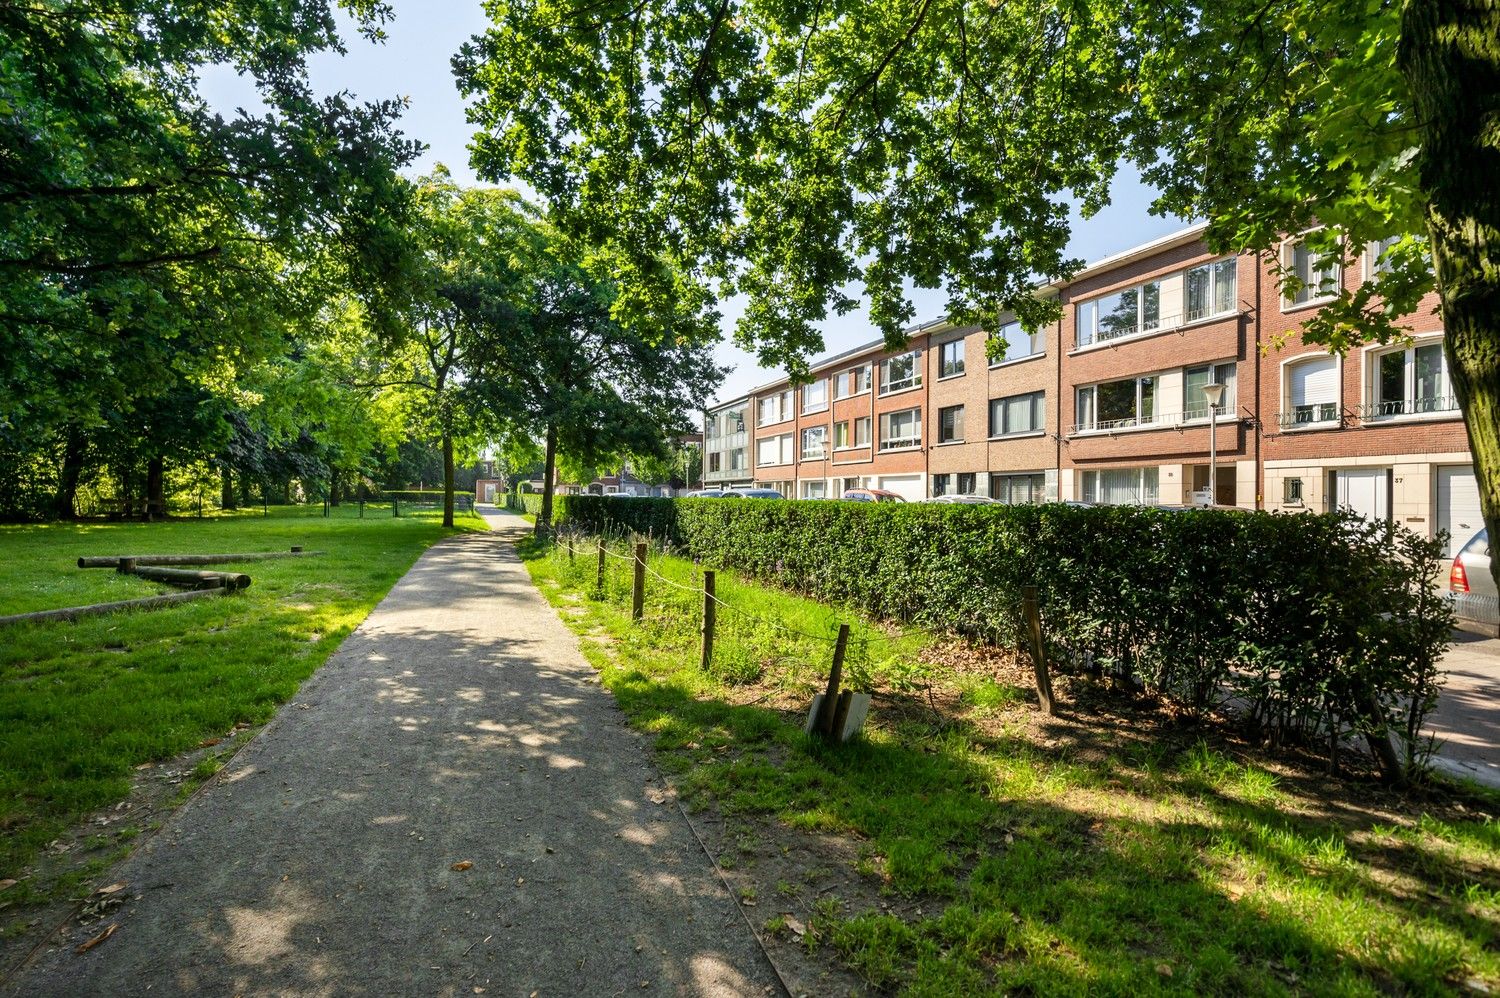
(705, 494)
(752, 494)
(872, 495)
(1471, 585)
(965, 500)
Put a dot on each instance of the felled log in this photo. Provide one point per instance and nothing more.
(113, 560)
(75, 612)
(196, 580)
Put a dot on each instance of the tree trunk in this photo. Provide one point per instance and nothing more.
(335, 488)
(72, 468)
(156, 495)
(1450, 56)
(127, 484)
(544, 519)
(447, 479)
(226, 489)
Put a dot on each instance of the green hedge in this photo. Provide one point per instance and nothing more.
(531, 502)
(1296, 619)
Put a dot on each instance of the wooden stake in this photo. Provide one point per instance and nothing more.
(599, 582)
(1033, 614)
(638, 590)
(710, 615)
(841, 715)
(75, 612)
(835, 676)
(125, 566)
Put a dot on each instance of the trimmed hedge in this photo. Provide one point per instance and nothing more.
(1304, 621)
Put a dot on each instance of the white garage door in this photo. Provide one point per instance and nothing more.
(1458, 505)
(908, 487)
(1366, 491)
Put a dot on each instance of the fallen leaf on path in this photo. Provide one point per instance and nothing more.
(145, 765)
(798, 929)
(520, 881)
(461, 865)
(6, 884)
(209, 742)
(114, 888)
(83, 948)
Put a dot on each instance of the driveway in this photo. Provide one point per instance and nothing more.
(1467, 719)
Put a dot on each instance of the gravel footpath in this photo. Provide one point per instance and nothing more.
(451, 806)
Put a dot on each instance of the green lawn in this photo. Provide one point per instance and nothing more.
(82, 704)
(1100, 855)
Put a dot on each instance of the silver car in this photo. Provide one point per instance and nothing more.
(1472, 585)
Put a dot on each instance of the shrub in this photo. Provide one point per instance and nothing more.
(1314, 626)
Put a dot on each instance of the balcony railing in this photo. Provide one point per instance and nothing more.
(1106, 333)
(1315, 414)
(1386, 408)
(1160, 420)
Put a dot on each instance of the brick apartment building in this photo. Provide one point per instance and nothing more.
(1108, 405)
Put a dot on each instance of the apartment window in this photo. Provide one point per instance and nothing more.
(714, 457)
(1376, 261)
(1413, 381)
(1017, 414)
(940, 485)
(1019, 344)
(1018, 489)
(966, 483)
(1312, 392)
(1291, 490)
(774, 450)
(1121, 486)
(774, 409)
(1315, 274)
(815, 396)
(901, 429)
(737, 459)
(862, 431)
(900, 372)
(1117, 404)
(853, 382)
(951, 424)
(1210, 289)
(849, 434)
(951, 359)
(817, 489)
(1194, 404)
(814, 442)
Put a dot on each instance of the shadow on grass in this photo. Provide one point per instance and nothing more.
(1143, 867)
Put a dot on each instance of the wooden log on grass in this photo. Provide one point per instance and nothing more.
(113, 560)
(197, 580)
(95, 609)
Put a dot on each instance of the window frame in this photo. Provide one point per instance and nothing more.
(1374, 400)
(1230, 403)
(1162, 323)
(1038, 415)
(785, 445)
(957, 371)
(1289, 244)
(812, 407)
(1035, 349)
(908, 443)
(1144, 499)
(822, 450)
(1287, 407)
(915, 381)
(1133, 423)
(959, 409)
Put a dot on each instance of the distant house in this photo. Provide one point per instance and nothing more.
(488, 490)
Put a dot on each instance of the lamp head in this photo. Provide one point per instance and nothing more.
(1213, 393)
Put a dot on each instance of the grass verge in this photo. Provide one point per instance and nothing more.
(84, 706)
(970, 846)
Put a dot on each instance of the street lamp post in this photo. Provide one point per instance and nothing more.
(1213, 393)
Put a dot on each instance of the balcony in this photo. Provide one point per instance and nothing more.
(1389, 409)
(1323, 415)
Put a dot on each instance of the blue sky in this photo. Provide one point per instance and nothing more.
(413, 62)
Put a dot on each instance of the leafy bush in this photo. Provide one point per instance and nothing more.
(1315, 626)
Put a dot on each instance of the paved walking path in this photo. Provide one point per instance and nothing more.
(458, 724)
(1467, 719)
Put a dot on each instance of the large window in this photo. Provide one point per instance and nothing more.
(774, 450)
(1376, 261)
(1314, 274)
(855, 433)
(1413, 381)
(815, 396)
(901, 429)
(940, 484)
(951, 359)
(951, 424)
(815, 489)
(1019, 344)
(774, 409)
(900, 372)
(814, 443)
(1121, 486)
(1018, 489)
(1209, 290)
(1117, 405)
(852, 382)
(1194, 403)
(1018, 414)
(1312, 392)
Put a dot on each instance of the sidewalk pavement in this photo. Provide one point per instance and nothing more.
(459, 724)
(1467, 719)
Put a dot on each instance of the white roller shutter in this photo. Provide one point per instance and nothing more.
(908, 487)
(1315, 381)
(1458, 505)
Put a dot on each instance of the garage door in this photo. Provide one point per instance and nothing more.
(1366, 491)
(1458, 505)
(908, 487)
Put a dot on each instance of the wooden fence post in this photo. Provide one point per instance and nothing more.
(829, 707)
(599, 582)
(638, 590)
(1033, 616)
(710, 614)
